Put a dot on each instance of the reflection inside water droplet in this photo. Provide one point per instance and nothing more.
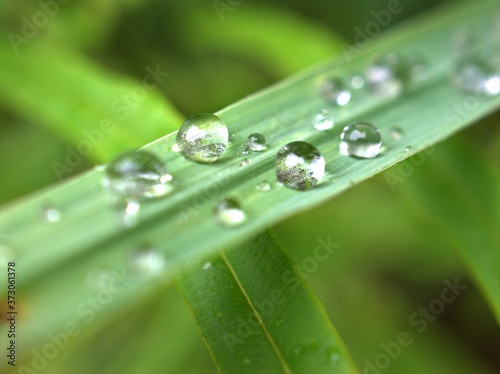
(229, 213)
(361, 140)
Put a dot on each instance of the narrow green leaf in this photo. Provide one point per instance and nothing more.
(256, 314)
(468, 210)
(105, 111)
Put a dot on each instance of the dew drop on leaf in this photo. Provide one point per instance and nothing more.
(322, 120)
(409, 149)
(477, 76)
(263, 187)
(244, 162)
(395, 133)
(299, 165)
(228, 213)
(137, 175)
(244, 150)
(207, 265)
(147, 261)
(361, 140)
(203, 138)
(357, 82)
(388, 75)
(256, 142)
(334, 91)
(51, 214)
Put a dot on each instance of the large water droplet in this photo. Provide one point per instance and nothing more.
(51, 214)
(477, 76)
(335, 91)
(256, 142)
(228, 213)
(263, 187)
(203, 138)
(322, 120)
(388, 75)
(138, 175)
(360, 139)
(147, 261)
(299, 165)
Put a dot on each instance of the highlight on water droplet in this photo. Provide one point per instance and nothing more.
(51, 214)
(322, 120)
(299, 165)
(207, 265)
(256, 142)
(229, 213)
(263, 187)
(335, 91)
(244, 150)
(361, 140)
(477, 76)
(147, 261)
(128, 213)
(203, 138)
(388, 74)
(137, 175)
(409, 149)
(175, 148)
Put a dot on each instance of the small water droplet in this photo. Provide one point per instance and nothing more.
(388, 75)
(256, 142)
(246, 361)
(477, 76)
(334, 91)
(395, 133)
(244, 162)
(128, 213)
(228, 213)
(357, 82)
(203, 138)
(207, 265)
(409, 149)
(360, 139)
(175, 148)
(137, 175)
(322, 120)
(299, 165)
(147, 260)
(244, 151)
(51, 214)
(263, 187)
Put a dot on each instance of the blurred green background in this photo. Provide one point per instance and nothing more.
(393, 256)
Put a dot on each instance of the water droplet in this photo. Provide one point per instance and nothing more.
(207, 265)
(244, 162)
(388, 75)
(228, 213)
(395, 133)
(51, 214)
(203, 138)
(147, 260)
(322, 120)
(477, 76)
(175, 148)
(334, 91)
(137, 175)
(263, 187)
(360, 139)
(299, 165)
(129, 213)
(244, 151)
(256, 142)
(409, 149)
(357, 82)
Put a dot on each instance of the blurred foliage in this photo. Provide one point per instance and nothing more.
(391, 259)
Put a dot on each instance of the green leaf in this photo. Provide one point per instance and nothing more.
(105, 111)
(256, 314)
(57, 258)
(467, 213)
